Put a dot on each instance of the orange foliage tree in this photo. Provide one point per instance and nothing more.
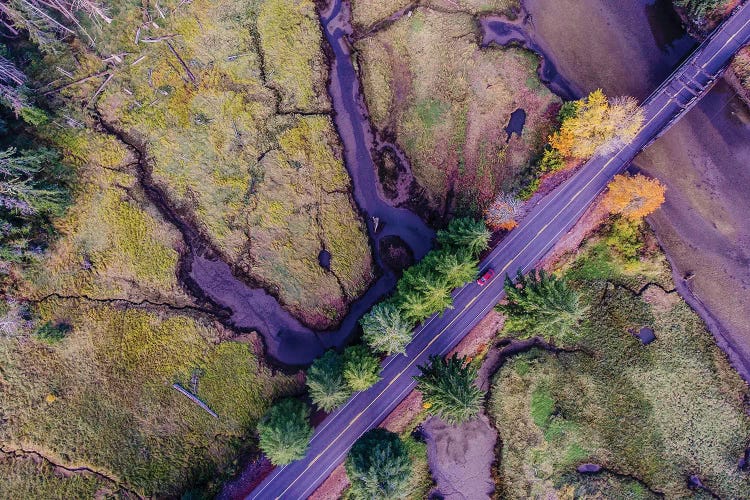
(502, 213)
(597, 125)
(634, 197)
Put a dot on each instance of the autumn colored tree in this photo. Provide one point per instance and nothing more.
(598, 125)
(502, 213)
(634, 196)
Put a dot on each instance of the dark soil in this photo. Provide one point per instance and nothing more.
(396, 255)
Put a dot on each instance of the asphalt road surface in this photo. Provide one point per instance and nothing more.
(553, 216)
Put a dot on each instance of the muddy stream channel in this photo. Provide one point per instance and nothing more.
(629, 48)
(288, 341)
(621, 47)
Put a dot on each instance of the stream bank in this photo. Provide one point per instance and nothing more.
(397, 235)
(629, 49)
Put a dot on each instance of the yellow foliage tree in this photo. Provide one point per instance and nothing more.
(634, 197)
(598, 125)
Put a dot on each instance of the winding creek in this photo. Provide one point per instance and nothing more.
(628, 48)
(287, 340)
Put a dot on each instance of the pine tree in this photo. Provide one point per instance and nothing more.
(285, 431)
(465, 233)
(385, 330)
(361, 368)
(456, 268)
(378, 466)
(22, 182)
(325, 380)
(542, 304)
(448, 388)
(422, 292)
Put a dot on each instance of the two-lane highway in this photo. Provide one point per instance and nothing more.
(522, 249)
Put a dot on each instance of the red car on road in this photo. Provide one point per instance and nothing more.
(486, 277)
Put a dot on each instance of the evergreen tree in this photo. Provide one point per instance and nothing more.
(456, 268)
(422, 292)
(361, 368)
(32, 194)
(378, 466)
(385, 329)
(325, 380)
(22, 186)
(465, 233)
(448, 388)
(542, 304)
(285, 431)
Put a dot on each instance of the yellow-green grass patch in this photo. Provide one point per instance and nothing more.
(214, 146)
(294, 63)
(659, 412)
(367, 13)
(448, 102)
(102, 396)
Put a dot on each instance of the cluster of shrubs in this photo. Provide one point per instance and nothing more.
(424, 289)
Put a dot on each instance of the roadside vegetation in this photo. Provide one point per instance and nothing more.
(540, 304)
(741, 67)
(651, 415)
(378, 466)
(448, 389)
(425, 288)
(593, 125)
(634, 197)
(285, 431)
(446, 101)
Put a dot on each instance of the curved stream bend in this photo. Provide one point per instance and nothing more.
(287, 340)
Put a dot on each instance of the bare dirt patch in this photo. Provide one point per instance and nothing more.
(461, 457)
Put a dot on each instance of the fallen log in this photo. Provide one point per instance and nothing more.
(195, 399)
